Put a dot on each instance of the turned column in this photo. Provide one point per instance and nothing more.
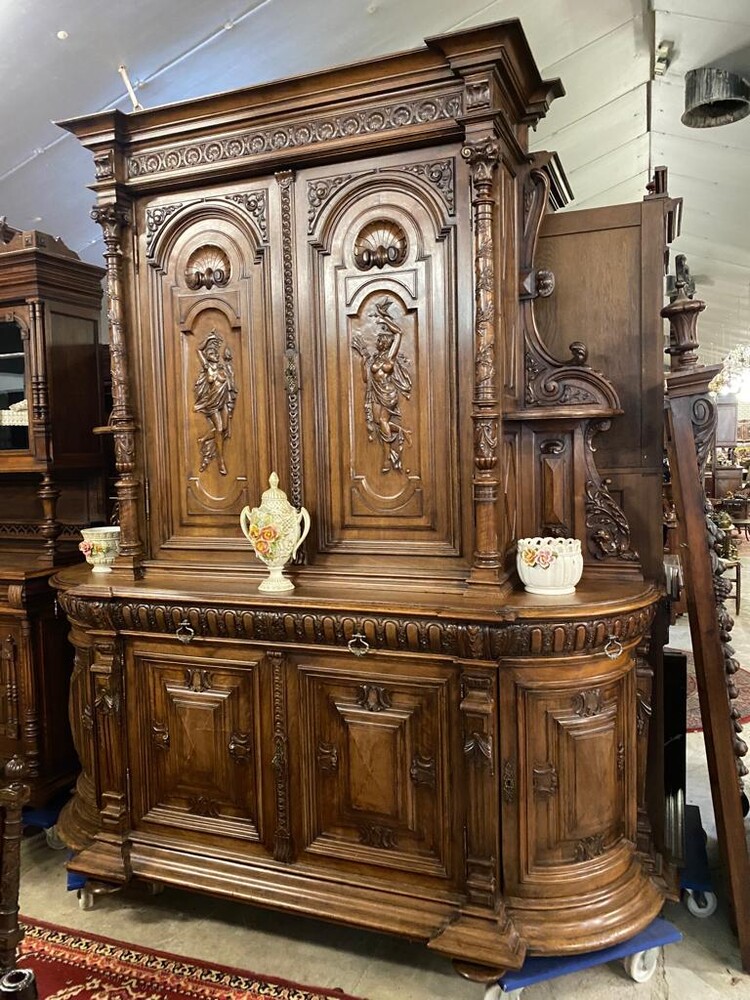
(113, 219)
(483, 157)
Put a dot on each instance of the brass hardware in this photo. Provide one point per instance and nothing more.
(184, 631)
(358, 645)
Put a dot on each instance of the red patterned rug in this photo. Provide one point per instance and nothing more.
(694, 722)
(71, 966)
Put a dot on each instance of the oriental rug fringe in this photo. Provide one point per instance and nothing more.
(73, 966)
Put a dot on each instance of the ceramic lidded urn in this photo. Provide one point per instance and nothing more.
(100, 546)
(275, 530)
(549, 565)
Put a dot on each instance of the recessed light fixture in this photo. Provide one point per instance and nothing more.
(228, 25)
(37, 218)
(62, 35)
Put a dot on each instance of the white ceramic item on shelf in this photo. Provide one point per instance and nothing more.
(100, 546)
(275, 530)
(549, 565)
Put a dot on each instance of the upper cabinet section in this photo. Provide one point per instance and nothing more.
(333, 278)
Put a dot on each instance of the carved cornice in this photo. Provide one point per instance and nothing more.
(551, 638)
(283, 136)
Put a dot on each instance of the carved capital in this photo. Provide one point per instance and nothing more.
(483, 156)
(112, 218)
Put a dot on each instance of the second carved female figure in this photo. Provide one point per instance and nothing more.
(385, 372)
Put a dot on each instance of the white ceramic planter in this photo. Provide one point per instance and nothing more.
(100, 546)
(549, 565)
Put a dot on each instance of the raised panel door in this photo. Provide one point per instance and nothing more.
(195, 720)
(576, 769)
(376, 765)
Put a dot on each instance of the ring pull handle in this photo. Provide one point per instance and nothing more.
(358, 645)
(613, 647)
(184, 631)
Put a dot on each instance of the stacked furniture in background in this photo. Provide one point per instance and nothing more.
(51, 484)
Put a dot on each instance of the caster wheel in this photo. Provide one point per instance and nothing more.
(85, 899)
(701, 904)
(53, 840)
(642, 965)
(495, 992)
(154, 888)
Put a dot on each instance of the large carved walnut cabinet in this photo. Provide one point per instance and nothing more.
(333, 278)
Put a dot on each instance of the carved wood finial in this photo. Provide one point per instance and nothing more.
(682, 312)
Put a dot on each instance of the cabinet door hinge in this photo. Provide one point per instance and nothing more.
(147, 498)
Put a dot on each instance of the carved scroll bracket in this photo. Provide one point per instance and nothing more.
(607, 528)
(550, 381)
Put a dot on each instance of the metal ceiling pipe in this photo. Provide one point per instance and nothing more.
(714, 97)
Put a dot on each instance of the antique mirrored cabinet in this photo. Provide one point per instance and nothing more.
(334, 278)
(51, 484)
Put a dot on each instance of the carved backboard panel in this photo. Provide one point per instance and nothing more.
(381, 269)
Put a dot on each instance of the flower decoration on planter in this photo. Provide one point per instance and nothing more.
(549, 565)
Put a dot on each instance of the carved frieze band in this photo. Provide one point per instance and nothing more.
(298, 134)
(335, 630)
(254, 203)
(439, 173)
(282, 847)
(285, 180)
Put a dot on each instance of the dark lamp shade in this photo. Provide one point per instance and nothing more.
(714, 97)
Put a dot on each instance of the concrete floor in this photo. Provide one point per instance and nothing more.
(704, 965)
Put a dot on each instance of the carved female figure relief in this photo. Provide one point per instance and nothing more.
(215, 397)
(385, 372)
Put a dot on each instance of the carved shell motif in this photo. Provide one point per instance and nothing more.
(207, 266)
(379, 243)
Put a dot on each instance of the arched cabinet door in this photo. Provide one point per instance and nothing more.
(209, 363)
(569, 735)
(379, 287)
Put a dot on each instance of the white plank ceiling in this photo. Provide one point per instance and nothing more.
(616, 123)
